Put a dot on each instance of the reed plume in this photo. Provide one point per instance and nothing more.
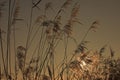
(2, 4)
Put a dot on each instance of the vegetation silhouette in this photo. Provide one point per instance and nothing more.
(83, 63)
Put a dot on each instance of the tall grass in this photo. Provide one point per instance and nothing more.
(50, 33)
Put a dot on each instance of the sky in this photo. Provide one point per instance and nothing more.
(107, 12)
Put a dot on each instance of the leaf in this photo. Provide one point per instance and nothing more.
(112, 52)
(77, 22)
(49, 71)
(95, 22)
(102, 50)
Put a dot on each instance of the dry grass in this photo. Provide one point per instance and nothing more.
(82, 65)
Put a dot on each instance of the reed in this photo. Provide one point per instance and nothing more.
(82, 64)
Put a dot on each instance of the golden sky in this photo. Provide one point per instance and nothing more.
(107, 12)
